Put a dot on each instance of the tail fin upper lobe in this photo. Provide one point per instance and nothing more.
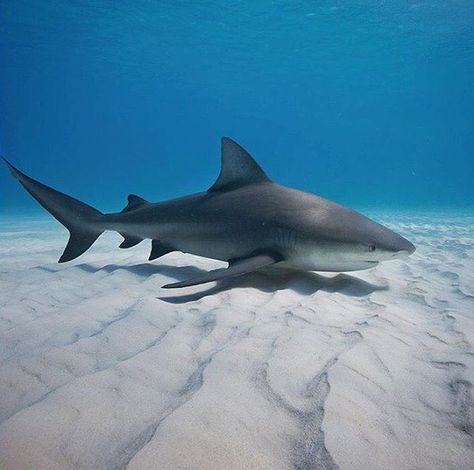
(79, 218)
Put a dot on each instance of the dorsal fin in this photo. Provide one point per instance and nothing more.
(238, 168)
(134, 202)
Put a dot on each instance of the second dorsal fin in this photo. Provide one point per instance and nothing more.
(238, 168)
(134, 202)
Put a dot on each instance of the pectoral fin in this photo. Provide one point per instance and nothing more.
(236, 268)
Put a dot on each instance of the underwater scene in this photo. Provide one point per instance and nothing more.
(236, 234)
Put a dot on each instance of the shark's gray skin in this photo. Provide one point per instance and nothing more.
(244, 218)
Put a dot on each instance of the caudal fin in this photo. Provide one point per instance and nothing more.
(81, 220)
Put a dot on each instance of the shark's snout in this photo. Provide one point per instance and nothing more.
(403, 248)
(389, 245)
(407, 246)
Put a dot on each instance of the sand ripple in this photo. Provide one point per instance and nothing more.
(100, 368)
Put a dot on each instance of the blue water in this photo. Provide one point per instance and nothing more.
(368, 103)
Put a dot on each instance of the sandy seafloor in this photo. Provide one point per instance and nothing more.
(102, 369)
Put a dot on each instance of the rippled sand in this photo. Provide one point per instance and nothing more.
(102, 369)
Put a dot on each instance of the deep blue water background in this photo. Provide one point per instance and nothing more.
(369, 103)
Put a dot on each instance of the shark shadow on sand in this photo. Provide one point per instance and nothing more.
(273, 280)
(265, 280)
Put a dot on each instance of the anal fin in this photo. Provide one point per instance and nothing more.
(236, 268)
(159, 249)
(129, 241)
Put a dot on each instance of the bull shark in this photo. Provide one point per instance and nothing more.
(244, 219)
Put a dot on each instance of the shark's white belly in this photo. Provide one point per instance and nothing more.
(326, 257)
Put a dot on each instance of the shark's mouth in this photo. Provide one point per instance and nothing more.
(402, 254)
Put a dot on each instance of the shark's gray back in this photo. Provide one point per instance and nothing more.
(233, 223)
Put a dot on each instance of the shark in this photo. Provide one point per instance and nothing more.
(244, 219)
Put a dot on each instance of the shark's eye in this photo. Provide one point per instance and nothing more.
(372, 247)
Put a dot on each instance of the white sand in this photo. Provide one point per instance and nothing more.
(102, 369)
